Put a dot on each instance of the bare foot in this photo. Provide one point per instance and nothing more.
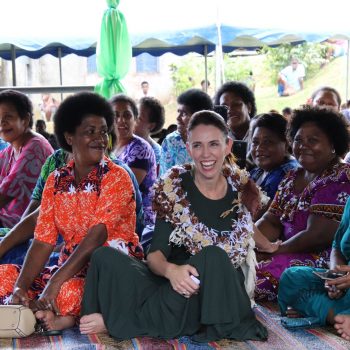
(342, 325)
(92, 323)
(53, 322)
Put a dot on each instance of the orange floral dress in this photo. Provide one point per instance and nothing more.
(105, 196)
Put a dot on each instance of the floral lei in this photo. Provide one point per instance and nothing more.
(171, 204)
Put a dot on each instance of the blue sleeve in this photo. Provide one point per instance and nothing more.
(165, 162)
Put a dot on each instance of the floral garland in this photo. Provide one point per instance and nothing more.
(171, 204)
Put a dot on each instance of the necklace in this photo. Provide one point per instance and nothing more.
(171, 204)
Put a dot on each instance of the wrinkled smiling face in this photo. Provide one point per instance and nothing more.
(90, 139)
(208, 147)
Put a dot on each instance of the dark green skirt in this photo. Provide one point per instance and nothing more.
(134, 302)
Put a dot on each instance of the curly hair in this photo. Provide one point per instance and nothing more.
(77, 107)
(126, 99)
(275, 122)
(239, 89)
(332, 123)
(20, 102)
(157, 112)
(195, 100)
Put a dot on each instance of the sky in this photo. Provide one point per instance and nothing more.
(60, 18)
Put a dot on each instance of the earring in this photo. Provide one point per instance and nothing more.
(333, 151)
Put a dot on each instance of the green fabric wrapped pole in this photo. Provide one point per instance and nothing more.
(113, 51)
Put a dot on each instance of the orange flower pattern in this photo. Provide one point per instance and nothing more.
(105, 196)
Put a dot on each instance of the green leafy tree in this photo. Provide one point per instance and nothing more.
(312, 55)
(189, 72)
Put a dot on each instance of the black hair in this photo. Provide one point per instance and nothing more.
(239, 89)
(171, 128)
(40, 121)
(275, 122)
(287, 110)
(20, 102)
(206, 117)
(332, 123)
(327, 89)
(74, 109)
(195, 100)
(203, 82)
(126, 99)
(144, 82)
(157, 112)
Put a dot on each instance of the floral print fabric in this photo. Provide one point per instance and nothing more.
(105, 196)
(139, 154)
(325, 196)
(18, 177)
(174, 152)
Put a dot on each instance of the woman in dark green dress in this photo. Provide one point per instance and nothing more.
(192, 283)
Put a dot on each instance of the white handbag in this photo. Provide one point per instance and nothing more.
(16, 321)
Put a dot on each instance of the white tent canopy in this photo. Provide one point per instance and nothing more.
(60, 27)
(35, 24)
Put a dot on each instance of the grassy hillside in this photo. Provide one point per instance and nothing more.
(333, 74)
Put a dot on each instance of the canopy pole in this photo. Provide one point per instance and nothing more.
(220, 77)
(206, 67)
(347, 71)
(59, 55)
(13, 60)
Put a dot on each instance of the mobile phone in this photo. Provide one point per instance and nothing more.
(195, 279)
(222, 110)
(328, 274)
(239, 149)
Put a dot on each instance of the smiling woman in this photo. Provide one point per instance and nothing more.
(270, 152)
(90, 202)
(134, 150)
(193, 283)
(21, 161)
(310, 200)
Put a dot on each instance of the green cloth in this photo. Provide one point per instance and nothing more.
(201, 206)
(134, 302)
(304, 291)
(113, 51)
(55, 161)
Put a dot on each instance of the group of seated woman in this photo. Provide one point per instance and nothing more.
(90, 202)
(199, 276)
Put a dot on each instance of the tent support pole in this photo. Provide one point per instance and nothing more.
(206, 67)
(347, 71)
(13, 59)
(59, 55)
